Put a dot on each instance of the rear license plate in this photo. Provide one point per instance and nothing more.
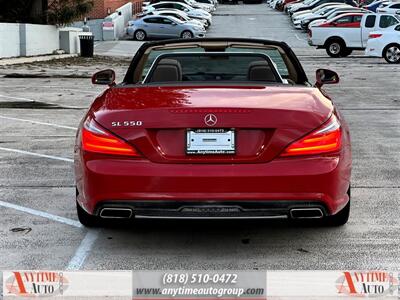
(210, 141)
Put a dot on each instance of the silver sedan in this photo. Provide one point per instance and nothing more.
(163, 27)
(180, 15)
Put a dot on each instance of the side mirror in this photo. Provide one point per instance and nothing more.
(325, 76)
(104, 77)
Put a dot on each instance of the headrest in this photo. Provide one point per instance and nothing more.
(260, 71)
(167, 70)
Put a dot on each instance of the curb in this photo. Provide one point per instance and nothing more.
(24, 60)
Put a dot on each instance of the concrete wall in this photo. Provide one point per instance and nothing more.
(9, 40)
(32, 40)
(38, 39)
(119, 19)
(95, 27)
(126, 11)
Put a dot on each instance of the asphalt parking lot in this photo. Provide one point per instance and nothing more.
(41, 104)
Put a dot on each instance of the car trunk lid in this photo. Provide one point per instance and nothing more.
(264, 119)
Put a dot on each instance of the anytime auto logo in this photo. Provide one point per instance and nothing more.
(210, 119)
(367, 284)
(35, 284)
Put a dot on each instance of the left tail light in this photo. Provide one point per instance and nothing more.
(99, 140)
(325, 139)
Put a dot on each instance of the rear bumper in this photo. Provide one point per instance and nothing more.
(373, 48)
(211, 209)
(322, 181)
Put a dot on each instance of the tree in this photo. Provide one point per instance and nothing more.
(16, 11)
(64, 12)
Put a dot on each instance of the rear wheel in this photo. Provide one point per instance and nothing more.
(391, 54)
(140, 35)
(335, 48)
(86, 219)
(341, 217)
(187, 34)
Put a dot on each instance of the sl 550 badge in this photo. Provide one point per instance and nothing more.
(126, 123)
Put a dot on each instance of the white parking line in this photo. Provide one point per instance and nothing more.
(299, 38)
(83, 251)
(41, 214)
(37, 122)
(36, 154)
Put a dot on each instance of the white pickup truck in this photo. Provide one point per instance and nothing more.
(345, 33)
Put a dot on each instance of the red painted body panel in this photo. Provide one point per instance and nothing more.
(267, 120)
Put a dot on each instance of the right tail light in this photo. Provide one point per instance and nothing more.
(325, 139)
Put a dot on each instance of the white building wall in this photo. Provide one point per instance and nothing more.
(32, 40)
(39, 40)
(9, 40)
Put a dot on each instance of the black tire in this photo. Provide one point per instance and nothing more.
(341, 217)
(346, 52)
(335, 47)
(391, 53)
(186, 34)
(139, 35)
(86, 219)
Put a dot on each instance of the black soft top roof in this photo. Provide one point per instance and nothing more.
(302, 77)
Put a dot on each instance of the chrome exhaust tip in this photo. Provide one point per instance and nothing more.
(306, 213)
(116, 213)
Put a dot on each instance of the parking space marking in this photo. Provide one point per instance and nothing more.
(41, 214)
(37, 122)
(36, 154)
(83, 251)
(299, 38)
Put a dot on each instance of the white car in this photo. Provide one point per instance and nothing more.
(345, 33)
(194, 13)
(302, 13)
(385, 43)
(195, 4)
(209, 2)
(293, 8)
(315, 13)
(393, 8)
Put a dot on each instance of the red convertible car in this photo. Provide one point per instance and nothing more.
(213, 128)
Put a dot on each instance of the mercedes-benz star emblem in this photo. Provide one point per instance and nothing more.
(210, 120)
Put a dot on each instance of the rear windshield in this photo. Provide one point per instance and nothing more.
(213, 67)
(273, 54)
